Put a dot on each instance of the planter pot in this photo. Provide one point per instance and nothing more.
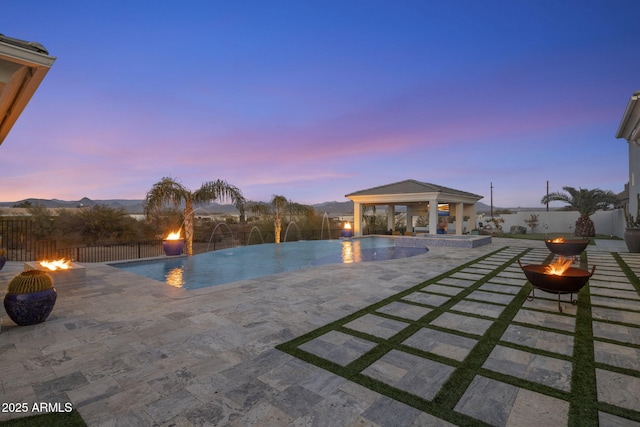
(632, 239)
(173, 247)
(30, 309)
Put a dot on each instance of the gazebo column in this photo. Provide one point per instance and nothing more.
(391, 217)
(470, 211)
(433, 216)
(459, 218)
(357, 219)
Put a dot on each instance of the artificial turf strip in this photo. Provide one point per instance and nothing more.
(582, 397)
(615, 410)
(54, 419)
(290, 345)
(583, 410)
(440, 406)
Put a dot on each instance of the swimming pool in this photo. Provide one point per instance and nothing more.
(249, 262)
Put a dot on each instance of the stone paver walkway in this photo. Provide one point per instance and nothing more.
(395, 343)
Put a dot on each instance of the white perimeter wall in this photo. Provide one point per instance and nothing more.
(610, 223)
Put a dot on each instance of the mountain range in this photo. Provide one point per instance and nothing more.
(136, 206)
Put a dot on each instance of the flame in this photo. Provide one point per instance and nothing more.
(558, 240)
(175, 235)
(347, 226)
(59, 264)
(559, 266)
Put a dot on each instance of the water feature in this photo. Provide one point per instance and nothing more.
(214, 232)
(250, 262)
(259, 234)
(325, 217)
(286, 233)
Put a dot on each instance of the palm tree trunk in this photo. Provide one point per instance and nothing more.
(585, 227)
(277, 223)
(188, 226)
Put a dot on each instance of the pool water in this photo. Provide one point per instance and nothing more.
(249, 262)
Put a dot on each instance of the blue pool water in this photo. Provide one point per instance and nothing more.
(249, 262)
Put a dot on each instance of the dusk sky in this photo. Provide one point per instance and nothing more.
(315, 100)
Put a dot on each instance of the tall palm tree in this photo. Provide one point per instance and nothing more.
(586, 202)
(277, 207)
(170, 191)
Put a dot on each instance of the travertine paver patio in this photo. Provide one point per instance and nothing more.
(127, 350)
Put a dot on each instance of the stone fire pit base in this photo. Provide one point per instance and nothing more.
(76, 274)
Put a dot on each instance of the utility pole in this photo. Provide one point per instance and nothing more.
(547, 195)
(491, 199)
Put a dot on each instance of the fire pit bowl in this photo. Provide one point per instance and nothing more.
(570, 282)
(567, 247)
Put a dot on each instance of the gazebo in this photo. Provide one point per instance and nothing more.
(420, 198)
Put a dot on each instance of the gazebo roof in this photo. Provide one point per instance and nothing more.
(411, 190)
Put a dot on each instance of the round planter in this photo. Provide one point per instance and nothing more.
(632, 239)
(30, 309)
(173, 247)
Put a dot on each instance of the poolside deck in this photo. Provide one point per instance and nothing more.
(417, 341)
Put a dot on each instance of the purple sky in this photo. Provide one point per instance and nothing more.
(314, 100)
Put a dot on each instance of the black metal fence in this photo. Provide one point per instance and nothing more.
(17, 238)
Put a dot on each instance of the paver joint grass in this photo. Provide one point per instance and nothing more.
(582, 397)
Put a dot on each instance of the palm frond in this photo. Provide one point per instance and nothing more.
(166, 191)
(585, 201)
(217, 190)
(260, 208)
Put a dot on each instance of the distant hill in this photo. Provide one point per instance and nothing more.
(136, 206)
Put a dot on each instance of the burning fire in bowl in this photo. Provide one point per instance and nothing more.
(563, 247)
(556, 278)
(347, 231)
(173, 244)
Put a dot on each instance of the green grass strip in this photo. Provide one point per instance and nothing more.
(55, 419)
(583, 408)
(453, 390)
(442, 405)
(290, 345)
(635, 281)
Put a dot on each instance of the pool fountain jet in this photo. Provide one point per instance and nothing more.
(325, 217)
(214, 232)
(259, 234)
(286, 233)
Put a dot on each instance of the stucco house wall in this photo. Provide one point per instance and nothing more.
(611, 223)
